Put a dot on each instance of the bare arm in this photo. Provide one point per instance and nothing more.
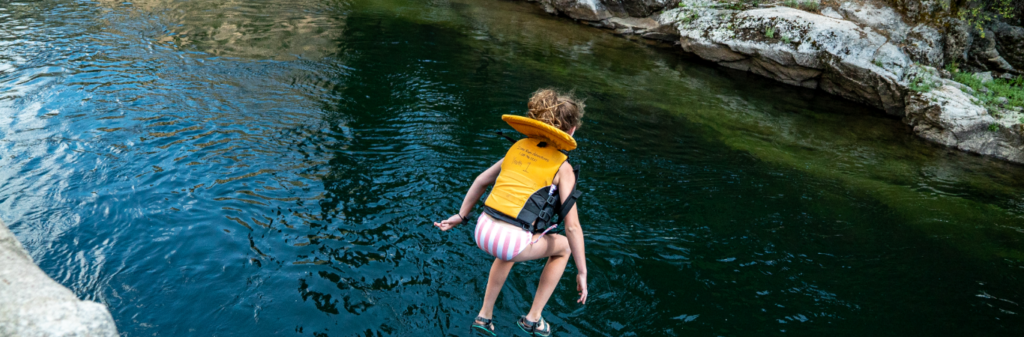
(481, 182)
(573, 230)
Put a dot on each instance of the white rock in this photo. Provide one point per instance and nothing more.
(836, 55)
(945, 115)
(590, 10)
(33, 305)
(884, 19)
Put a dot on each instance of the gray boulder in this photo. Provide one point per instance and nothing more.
(1010, 43)
(984, 55)
(589, 10)
(33, 305)
(920, 10)
(984, 77)
(883, 19)
(597, 10)
(636, 8)
(655, 27)
(925, 45)
(957, 39)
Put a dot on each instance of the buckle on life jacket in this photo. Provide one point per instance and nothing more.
(552, 201)
(546, 214)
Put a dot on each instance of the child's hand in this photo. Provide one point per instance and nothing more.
(581, 286)
(448, 224)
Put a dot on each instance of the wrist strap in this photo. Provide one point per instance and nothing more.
(461, 217)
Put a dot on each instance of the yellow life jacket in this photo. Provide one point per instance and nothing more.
(520, 193)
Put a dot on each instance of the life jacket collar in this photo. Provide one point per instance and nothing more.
(536, 129)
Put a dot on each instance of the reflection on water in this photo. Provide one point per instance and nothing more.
(273, 30)
(271, 167)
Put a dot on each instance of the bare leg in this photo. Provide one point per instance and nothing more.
(548, 280)
(499, 272)
(556, 248)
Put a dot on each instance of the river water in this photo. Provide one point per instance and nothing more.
(271, 167)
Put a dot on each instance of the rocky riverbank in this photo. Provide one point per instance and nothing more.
(895, 58)
(32, 304)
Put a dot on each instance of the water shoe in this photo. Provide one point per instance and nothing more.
(540, 328)
(484, 326)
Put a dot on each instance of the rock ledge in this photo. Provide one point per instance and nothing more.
(33, 305)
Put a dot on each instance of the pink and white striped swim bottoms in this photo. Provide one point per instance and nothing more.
(499, 238)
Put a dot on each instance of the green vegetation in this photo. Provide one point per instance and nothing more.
(993, 127)
(1017, 82)
(807, 5)
(812, 5)
(785, 39)
(924, 79)
(953, 67)
(920, 84)
(769, 32)
(988, 93)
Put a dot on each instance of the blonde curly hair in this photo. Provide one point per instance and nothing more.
(561, 110)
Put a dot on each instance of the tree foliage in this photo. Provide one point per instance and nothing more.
(979, 13)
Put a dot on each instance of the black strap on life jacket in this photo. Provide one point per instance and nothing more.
(570, 201)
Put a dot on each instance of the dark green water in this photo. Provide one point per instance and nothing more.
(229, 168)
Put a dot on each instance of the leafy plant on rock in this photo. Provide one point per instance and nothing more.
(920, 84)
(923, 80)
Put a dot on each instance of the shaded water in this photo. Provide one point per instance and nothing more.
(270, 167)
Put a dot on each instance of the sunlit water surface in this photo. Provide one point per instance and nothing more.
(250, 168)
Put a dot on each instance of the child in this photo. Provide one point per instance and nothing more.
(521, 207)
